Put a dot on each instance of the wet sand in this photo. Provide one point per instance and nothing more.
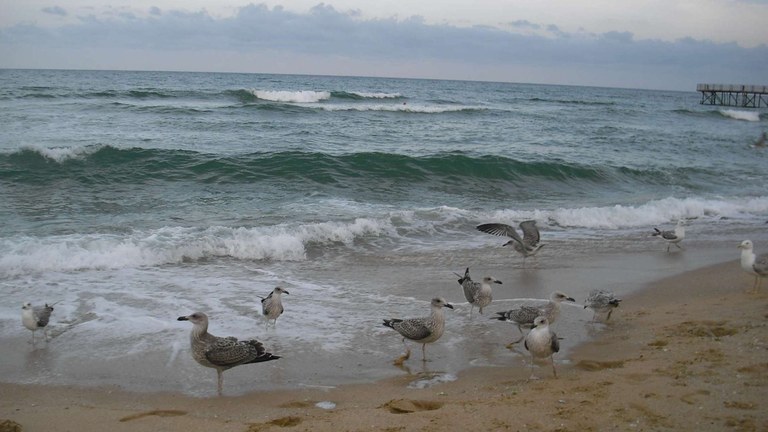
(687, 353)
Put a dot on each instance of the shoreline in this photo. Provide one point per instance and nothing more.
(687, 352)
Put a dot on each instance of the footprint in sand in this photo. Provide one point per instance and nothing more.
(405, 406)
(159, 413)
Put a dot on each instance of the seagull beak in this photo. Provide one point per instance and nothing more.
(497, 281)
(448, 305)
(285, 292)
(571, 299)
(182, 318)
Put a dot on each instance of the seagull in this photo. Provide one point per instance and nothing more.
(528, 245)
(423, 330)
(478, 294)
(222, 353)
(542, 342)
(272, 305)
(36, 317)
(524, 316)
(672, 237)
(754, 265)
(602, 302)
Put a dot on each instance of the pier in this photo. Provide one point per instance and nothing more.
(735, 95)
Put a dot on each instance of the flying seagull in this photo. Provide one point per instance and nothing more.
(527, 246)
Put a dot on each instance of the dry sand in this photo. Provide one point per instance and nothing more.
(686, 354)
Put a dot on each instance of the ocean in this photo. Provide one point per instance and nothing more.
(132, 198)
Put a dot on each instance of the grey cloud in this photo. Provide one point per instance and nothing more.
(55, 10)
(324, 31)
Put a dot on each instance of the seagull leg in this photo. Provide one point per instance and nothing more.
(509, 345)
(423, 352)
(220, 381)
(554, 371)
(533, 375)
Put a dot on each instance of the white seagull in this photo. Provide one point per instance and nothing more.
(36, 317)
(672, 237)
(542, 342)
(754, 265)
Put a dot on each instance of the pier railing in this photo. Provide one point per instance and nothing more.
(736, 95)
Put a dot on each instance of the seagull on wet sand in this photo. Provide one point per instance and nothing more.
(754, 265)
(602, 302)
(672, 237)
(525, 315)
(542, 342)
(527, 246)
(272, 305)
(222, 353)
(36, 317)
(422, 330)
(478, 294)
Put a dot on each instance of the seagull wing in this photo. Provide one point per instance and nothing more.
(500, 229)
(531, 234)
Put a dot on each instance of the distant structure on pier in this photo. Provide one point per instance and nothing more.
(735, 95)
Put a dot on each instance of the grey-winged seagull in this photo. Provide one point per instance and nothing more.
(602, 302)
(36, 317)
(478, 294)
(422, 330)
(272, 305)
(222, 353)
(672, 237)
(527, 246)
(525, 315)
(754, 265)
(542, 342)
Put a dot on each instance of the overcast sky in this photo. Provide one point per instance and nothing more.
(661, 44)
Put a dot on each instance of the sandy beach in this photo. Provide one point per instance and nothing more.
(693, 358)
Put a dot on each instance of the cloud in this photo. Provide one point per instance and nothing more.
(55, 10)
(324, 32)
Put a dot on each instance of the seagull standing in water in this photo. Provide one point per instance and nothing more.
(527, 246)
(36, 317)
(222, 353)
(525, 315)
(478, 294)
(602, 302)
(542, 342)
(422, 330)
(754, 265)
(272, 305)
(672, 237)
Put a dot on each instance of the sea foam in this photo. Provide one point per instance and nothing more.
(753, 116)
(305, 96)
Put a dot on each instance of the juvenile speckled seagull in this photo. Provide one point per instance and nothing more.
(525, 315)
(602, 302)
(478, 294)
(754, 265)
(222, 353)
(422, 330)
(36, 317)
(527, 246)
(672, 237)
(272, 305)
(542, 342)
